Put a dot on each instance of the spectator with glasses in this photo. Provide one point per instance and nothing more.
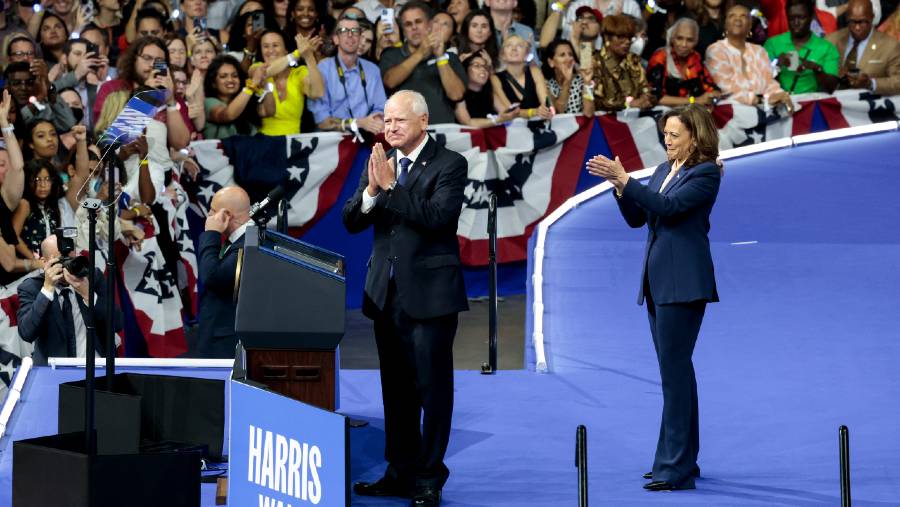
(354, 94)
(620, 79)
(484, 105)
(20, 48)
(25, 81)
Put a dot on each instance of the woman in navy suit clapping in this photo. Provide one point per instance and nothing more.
(677, 279)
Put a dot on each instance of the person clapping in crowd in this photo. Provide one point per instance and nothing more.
(289, 82)
(807, 62)
(484, 105)
(423, 64)
(354, 95)
(569, 82)
(231, 108)
(521, 83)
(618, 73)
(740, 68)
(676, 72)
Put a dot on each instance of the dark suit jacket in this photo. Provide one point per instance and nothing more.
(677, 262)
(880, 60)
(215, 333)
(41, 320)
(415, 229)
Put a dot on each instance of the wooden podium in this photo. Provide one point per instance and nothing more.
(290, 315)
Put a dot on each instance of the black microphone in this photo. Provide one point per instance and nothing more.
(274, 196)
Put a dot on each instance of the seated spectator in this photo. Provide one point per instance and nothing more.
(354, 95)
(52, 35)
(505, 26)
(231, 107)
(710, 17)
(385, 39)
(290, 84)
(676, 73)
(460, 9)
(618, 74)
(569, 86)
(12, 185)
(523, 84)
(741, 69)
(808, 62)
(445, 25)
(423, 65)
(483, 104)
(477, 34)
(870, 59)
(53, 308)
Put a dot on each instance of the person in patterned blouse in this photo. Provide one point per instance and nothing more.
(676, 72)
(567, 83)
(619, 76)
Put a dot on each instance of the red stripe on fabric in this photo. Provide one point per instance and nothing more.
(620, 141)
(171, 344)
(10, 307)
(564, 182)
(330, 189)
(832, 112)
(722, 115)
(495, 137)
(802, 119)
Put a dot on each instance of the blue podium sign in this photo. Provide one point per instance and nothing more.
(285, 453)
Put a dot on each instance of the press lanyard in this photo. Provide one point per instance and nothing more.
(362, 79)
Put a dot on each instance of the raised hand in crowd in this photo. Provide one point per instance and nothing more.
(160, 79)
(385, 40)
(88, 64)
(436, 44)
(137, 147)
(41, 79)
(308, 46)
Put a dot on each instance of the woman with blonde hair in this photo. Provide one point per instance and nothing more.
(523, 84)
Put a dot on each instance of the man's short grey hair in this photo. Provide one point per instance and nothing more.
(416, 101)
(674, 28)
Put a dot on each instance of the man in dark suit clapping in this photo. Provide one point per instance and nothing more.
(218, 256)
(53, 308)
(412, 197)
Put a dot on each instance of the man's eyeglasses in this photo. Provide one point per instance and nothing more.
(351, 31)
(22, 53)
(588, 18)
(21, 82)
(43, 180)
(148, 58)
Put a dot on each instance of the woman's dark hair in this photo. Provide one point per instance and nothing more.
(548, 71)
(237, 41)
(699, 122)
(28, 151)
(129, 58)
(249, 116)
(322, 20)
(490, 45)
(32, 169)
(809, 4)
(365, 24)
(46, 51)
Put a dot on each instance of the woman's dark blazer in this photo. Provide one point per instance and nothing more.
(677, 262)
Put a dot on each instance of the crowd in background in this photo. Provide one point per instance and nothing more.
(282, 67)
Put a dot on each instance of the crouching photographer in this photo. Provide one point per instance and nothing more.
(53, 308)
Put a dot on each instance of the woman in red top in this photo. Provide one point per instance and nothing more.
(676, 72)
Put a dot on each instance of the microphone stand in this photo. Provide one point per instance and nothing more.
(490, 367)
(112, 216)
(281, 224)
(90, 439)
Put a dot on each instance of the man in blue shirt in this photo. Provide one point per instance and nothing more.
(354, 94)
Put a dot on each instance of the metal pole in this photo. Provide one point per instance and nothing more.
(90, 442)
(581, 463)
(491, 366)
(112, 214)
(281, 221)
(844, 442)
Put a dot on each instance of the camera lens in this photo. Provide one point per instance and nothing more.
(77, 266)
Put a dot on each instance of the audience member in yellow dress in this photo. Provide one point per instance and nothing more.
(289, 82)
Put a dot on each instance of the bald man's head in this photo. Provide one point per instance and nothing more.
(859, 18)
(235, 202)
(49, 248)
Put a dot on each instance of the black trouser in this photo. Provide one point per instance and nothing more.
(416, 359)
(675, 328)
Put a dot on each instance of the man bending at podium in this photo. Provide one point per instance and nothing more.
(412, 197)
(220, 243)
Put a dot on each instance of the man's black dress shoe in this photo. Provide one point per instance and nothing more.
(427, 498)
(663, 486)
(382, 487)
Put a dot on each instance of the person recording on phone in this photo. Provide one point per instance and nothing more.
(53, 306)
(870, 60)
(82, 65)
(808, 62)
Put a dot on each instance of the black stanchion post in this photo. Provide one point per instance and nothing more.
(90, 440)
(581, 464)
(490, 367)
(112, 214)
(844, 441)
